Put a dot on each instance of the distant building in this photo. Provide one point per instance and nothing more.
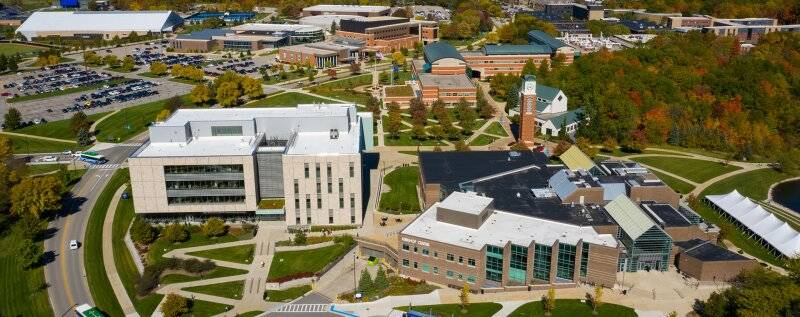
(708, 262)
(103, 25)
(248, 37)
(441, 75)
(331, 53)
(341, 9)
(302, 165)
(228, 17)
(746, 30)
(385, 34)
(547, 111)
(11, 16)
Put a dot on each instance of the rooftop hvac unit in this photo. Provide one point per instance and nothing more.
(334, 134)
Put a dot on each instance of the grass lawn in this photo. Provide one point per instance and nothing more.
(201, 308)
(186, 81)
(131, 121)
(674, 183)
(13, 48)
(196, 239)
(65, 91)
(123, 261)
(57, 129)
(233, 289)
(405, 139)
(21, 289)
(287, 263)
(399, 91)
(151, 75)
(695, 170)
(238, 254)
(483, 139)
(41, 168)
(709, 153)
(251, 313)
(287, 294)
(99, 286)
(451, 310)
(496, 129)
(402, 197)
(573, 307)
(342, 89)
(274, 79)
(289, 99)
(24, 145)
(220, 271)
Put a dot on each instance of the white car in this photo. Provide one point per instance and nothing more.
(73, 244)
(49, 159)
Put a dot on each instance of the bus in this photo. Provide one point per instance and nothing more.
(85, 310)
(92, 158)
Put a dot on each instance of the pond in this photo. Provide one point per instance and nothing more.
(788, 194)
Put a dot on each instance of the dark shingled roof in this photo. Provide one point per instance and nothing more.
(666, 215)
(708, 252)
(511, 49)
(541, 38)
(439, 50)
(448, 168)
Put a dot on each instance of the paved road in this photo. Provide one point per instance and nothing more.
(64, 271)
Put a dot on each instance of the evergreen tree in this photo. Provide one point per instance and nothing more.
(512, 98)
(365, 284)
(333, 28)
(529, 68)
(12, 63)
(381, 281)
(13, 119)
(84, 138)
(3, 62)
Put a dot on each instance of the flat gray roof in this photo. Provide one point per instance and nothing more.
(446, 81)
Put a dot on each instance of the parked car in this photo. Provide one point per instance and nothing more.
(73, 244)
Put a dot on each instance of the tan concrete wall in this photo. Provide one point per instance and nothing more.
(659, 194)
(293, 168)
(191, 45)
(713, 270)
(440, 261)
(150, 191)
(690, 232)
(602, 267)
(592, 195)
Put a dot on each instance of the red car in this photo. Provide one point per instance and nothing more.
(5, 94)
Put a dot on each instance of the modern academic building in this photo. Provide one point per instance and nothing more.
(248, 37)
(341, 9)
(441, 75)
(331, 53)
(103, 25)
(495, 59)
(386, 34)
(299, 164)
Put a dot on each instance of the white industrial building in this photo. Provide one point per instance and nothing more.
(98, 24)
(299, 164)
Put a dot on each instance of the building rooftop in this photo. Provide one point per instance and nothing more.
(629, 217)
(575, 159)
(204, 35)
(511, 49)
(708, 252)
(666, 215)
(439, 50)
(542, 38)
(347, 8)
(305, 48)
(503, 227)
(455, 167)
(466, 203)
(99, 21)
(445, 81)
(202, 146)
(564, 118)
(271, 27)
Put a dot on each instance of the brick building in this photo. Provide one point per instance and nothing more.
(386, 34)
(706, 261)
(441, 75)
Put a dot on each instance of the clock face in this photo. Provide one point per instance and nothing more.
(530, 87)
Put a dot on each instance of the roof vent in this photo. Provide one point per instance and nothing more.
(519, 195)
(334, 134)
(514, 154)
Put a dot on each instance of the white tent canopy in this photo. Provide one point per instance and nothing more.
(774, 231)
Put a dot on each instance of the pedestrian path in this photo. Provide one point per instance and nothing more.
(108, 258)
(304, 308)
(104, 166)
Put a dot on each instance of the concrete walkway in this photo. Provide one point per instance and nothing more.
(108, 257)
(94, 124)
(38, 137)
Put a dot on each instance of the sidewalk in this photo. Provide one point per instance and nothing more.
(108, 257)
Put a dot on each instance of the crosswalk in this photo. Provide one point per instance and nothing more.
(129, 144)
(104, 166)
(304, 308)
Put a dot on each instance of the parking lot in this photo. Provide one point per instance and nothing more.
(124, 92)
(55, 78)
(250, 66)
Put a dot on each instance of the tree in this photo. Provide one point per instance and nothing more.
(175, 232)
(610, 145)
(529, 68)
(213, 227)
(398, 58)
(177, 70)
(300, 238)
(355, 67)
(463, 297)
(512, 98)
(158, 68)
(36, 195)
(365, 285)
(381, 281)
(3, 62)
(13, 119)
(597, 298)
(485, 110)
(251, 87)
(333, 28)
(418, 132)
(468, 121)
(200, 94)
(12, 63)
(394, 122)
(6, 151)
(562, 147)
(128, 64)
(312, 75)
(174, 305)
(111, 60)
(374, 106)
(550, 302)
(28, 253)
(142, 232)
(586, 147)
(331, 73)
(84, 138)
(793, 268)
(437, 132)
(418, 111)
(228, 94)
(78, 121)
(461, 146)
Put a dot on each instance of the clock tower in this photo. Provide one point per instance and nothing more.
(527, 111)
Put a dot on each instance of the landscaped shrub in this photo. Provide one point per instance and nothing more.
(142, 232)
(214, 227)
(175, 233)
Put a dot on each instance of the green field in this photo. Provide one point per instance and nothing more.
(496, 129)
(239, 254)
(64, 92)
(674, 183)
(23, 294)
(695, 170)
(24, 145)
(483, 139)
(196, 239)
(573, 307)
(220, 271)
(405, 139)
(287, 263)
(343, 89)
(57, 129)
(233, 289)
(99, 286)
(201, 308)
(22, 49)
(452, 310)
(130, 121)
(123, 261)
(289, 99)
(41, 168)
(287, 294)
(251, 313)
(402, 197)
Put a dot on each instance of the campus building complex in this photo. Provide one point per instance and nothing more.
(495, 59)
(442, 75)
(387, 34)
(544, 110)
(227, 17)
(747, 30)
(248, 37)
(104, 25)
(336, 9)
(323, 54)
(299, 164)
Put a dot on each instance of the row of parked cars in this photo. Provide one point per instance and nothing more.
(60, 78)
(239, 66)
(132, 90)
(147, 57)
